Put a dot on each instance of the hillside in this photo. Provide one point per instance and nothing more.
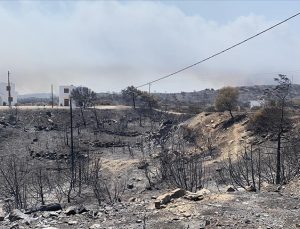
(127, 151)
(207, 96)
(214, 130)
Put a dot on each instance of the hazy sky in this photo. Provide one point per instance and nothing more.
(108, 45)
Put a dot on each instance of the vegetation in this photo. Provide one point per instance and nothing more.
(83, 97)
(134, 96)
(227, 99)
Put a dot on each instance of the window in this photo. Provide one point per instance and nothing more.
(66, 90)
(66, 103)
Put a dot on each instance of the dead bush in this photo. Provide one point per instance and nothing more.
(182, 170)
(106, 189)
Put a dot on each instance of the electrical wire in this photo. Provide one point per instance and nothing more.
(219, 53)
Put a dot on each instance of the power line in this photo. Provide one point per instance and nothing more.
(217, 54)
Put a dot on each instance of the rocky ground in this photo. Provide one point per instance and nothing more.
(139, 207)
(239, 209)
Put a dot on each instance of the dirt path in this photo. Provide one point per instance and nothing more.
(118, 107)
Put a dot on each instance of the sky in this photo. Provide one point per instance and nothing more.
(109, 45)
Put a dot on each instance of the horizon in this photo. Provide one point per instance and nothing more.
(154, 92)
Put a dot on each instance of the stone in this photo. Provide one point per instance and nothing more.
(16, 214)
(132, 199)
(95, 226)
(130, 186)
(81, 209)
(139, 221)
(194, 196)
(166, 198)
(73, 222)
(247, 221)
(203, 192)
(51, 207)
(46, 215)
(157, 204)
(177, 193)
(143, 165)
(72, 210)
(230, 188)
(15, 226)
(187, 215)
(54, 214)
(163, 199)
(250, 188)
(2, 214)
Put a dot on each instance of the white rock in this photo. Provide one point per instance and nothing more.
(73, 222)
(95, 226)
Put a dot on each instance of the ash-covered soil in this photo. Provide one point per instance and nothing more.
(115, 137)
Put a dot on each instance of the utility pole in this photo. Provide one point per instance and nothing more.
(72, 142)
(149, 88)
(8, 88)
(52, 95)
(72, 181)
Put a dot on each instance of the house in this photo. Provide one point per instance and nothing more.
(64, 95)
(256, 103)
(4, 94)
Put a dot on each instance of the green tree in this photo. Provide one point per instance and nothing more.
(148, 100)
(227, 99)
(83, 97)
(130, 94)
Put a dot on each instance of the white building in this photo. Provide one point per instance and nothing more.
(4, 94)
(64, 95)
(256, 103)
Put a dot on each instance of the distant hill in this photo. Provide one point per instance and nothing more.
(35, 95)
(207, 96)
(199, 99)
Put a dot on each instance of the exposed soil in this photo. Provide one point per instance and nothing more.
(39, 136)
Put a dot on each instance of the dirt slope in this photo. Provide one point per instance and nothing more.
(225, 137)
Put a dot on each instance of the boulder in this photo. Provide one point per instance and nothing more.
(177, 193)
(157, 204)
(166, 198)
(95, 226)
(72, 222)
(250, 188)
(81, 209)
(2, 214)
(130, 186)
(54, 214)
(203, 192)
(161, 200)
(51, 207)
(72, 210)
(271, 188)
(230, 188)
(46, 207)
(194, 196)
(143, 165)
(16, 214)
